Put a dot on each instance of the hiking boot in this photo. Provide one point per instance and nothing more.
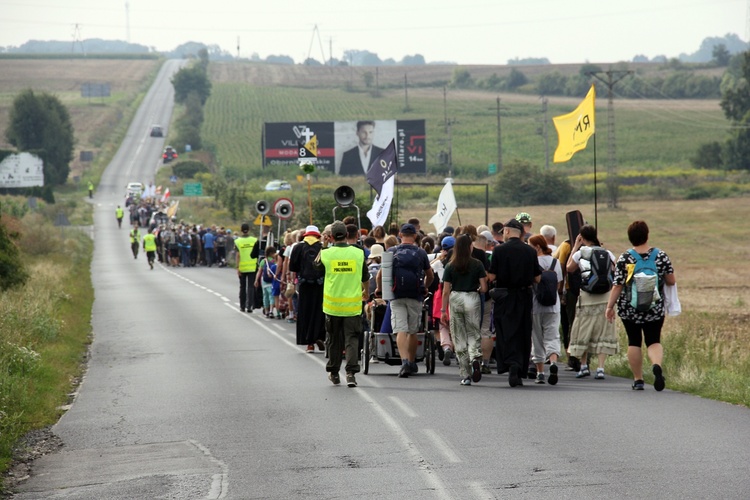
(447, 356)
(476, 370)
(658, 378)
(552, 374)
(405, 371)
(539, 378)
(584, 372)
(334, 377)
(638, 385)
(350, 380)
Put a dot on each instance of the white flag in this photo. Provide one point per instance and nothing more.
(382, 204)
(445, 207)
(166, 196)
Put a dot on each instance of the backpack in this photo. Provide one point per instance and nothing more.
(268, 272)
(308, 273)
(643, 286)
(546, 290)
(408, 275)
(596, 270)
(221, 240)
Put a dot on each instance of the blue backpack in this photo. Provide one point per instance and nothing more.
(643, 287)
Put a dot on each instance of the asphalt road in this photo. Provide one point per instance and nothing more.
(186, 397)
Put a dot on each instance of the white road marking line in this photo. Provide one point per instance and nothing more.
(439, 443)
(403, 407)
(220, 482)
(224, 298)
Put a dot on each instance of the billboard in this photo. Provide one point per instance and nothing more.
(347, 147)
(21, 170)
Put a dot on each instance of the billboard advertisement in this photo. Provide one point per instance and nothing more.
(347, 147)
(21, 170)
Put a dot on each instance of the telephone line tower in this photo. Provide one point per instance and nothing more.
(612, 78)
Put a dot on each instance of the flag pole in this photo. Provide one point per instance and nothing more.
(596, 203)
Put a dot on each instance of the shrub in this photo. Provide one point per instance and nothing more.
(188, 169)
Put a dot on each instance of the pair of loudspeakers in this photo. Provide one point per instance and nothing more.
(282, 208)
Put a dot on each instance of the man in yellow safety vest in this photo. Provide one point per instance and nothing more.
(149, 246)
(247, 265)
(135, 238)
(119, 213)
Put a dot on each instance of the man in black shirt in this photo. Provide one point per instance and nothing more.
(515, 268)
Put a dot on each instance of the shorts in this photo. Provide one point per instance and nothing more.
(406, 315)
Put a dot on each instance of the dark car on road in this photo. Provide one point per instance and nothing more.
(157, 131)
(169, 154)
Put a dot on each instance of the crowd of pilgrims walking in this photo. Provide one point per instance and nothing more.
(479, 283)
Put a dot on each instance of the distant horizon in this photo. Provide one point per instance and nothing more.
(486, 32)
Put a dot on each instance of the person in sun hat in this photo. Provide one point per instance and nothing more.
(310, 318)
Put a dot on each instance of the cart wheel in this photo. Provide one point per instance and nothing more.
(366, 355)
(429, 358)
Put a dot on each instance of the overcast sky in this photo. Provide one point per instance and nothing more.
(462, 31)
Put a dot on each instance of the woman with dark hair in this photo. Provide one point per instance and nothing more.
(545, 333)
(591, 333)
(463, 279)
(644, 325)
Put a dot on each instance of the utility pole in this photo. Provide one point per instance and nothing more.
(545, 132)
(499, 140)
(445, 107)
(612, 78)
(406, 95)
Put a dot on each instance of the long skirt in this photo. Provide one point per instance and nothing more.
(591, 332)
(311, 321)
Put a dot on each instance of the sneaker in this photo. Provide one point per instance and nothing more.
(599, 374)
(290, 320)
(447, 356)
(310, 348)
(638, 385)
(485, 369)
(513, 379)
(539, 378)
(584, 372)
(405, 371)
(321, 345)
(334, 377)
(374, 359)
(552, 374)
(466, 381)
(414, 367)
(476, 370)
(531, 373)
(658, 378)
(350, 380)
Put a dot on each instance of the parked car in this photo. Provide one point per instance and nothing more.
(277, 185)
(169, 154)
(157, 131)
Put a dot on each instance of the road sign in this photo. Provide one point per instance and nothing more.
(266, 221)
(192, 189)
(308, 151)
(492, 168)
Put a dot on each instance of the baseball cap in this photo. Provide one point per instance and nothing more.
(408, 229)
(312, 231)
(448, 242)
(245, 227)
(338, 230)
(448, 230)
(523, 218)
(488, 235)
(515, 224)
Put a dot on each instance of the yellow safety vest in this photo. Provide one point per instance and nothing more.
(149, 243)
(245, 246)
(342, 289)
(135, 236)
(119, 212)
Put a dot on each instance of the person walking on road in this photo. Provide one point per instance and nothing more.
(515, 268)
(646, 324)
(311, 326)
(91, 190)
(119, 214)
(345, 287)
(149, 246)
(135, 238)
(247, 264)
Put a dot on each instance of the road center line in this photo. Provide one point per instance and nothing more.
(403, 406)
(439, 442)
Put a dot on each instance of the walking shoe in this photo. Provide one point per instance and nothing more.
(638, 385)
(405, 371)
(531, 373)
(599, 374)
(414, 367)
(310, 348)
(552, 374)
(476, 370)
(584, 372)
(658, 378)
(539, 378)
(374, 359)
(350, 380)
(486, 369)
(334, 377)
(242, 309)
(440, 352)
(151, 265)
(466, 381)
(321, 345)
(447, 356)
(513, 379)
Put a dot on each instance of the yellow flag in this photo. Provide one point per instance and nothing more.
(575, 128)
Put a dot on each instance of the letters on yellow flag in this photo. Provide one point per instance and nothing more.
(575, 128)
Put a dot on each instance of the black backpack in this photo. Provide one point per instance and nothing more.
(408, 275)
(596, 277)
(546, 290)
(308, 273)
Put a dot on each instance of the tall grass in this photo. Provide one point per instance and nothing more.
(44, 332)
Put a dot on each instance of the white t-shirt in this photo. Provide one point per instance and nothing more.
(544, 262)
